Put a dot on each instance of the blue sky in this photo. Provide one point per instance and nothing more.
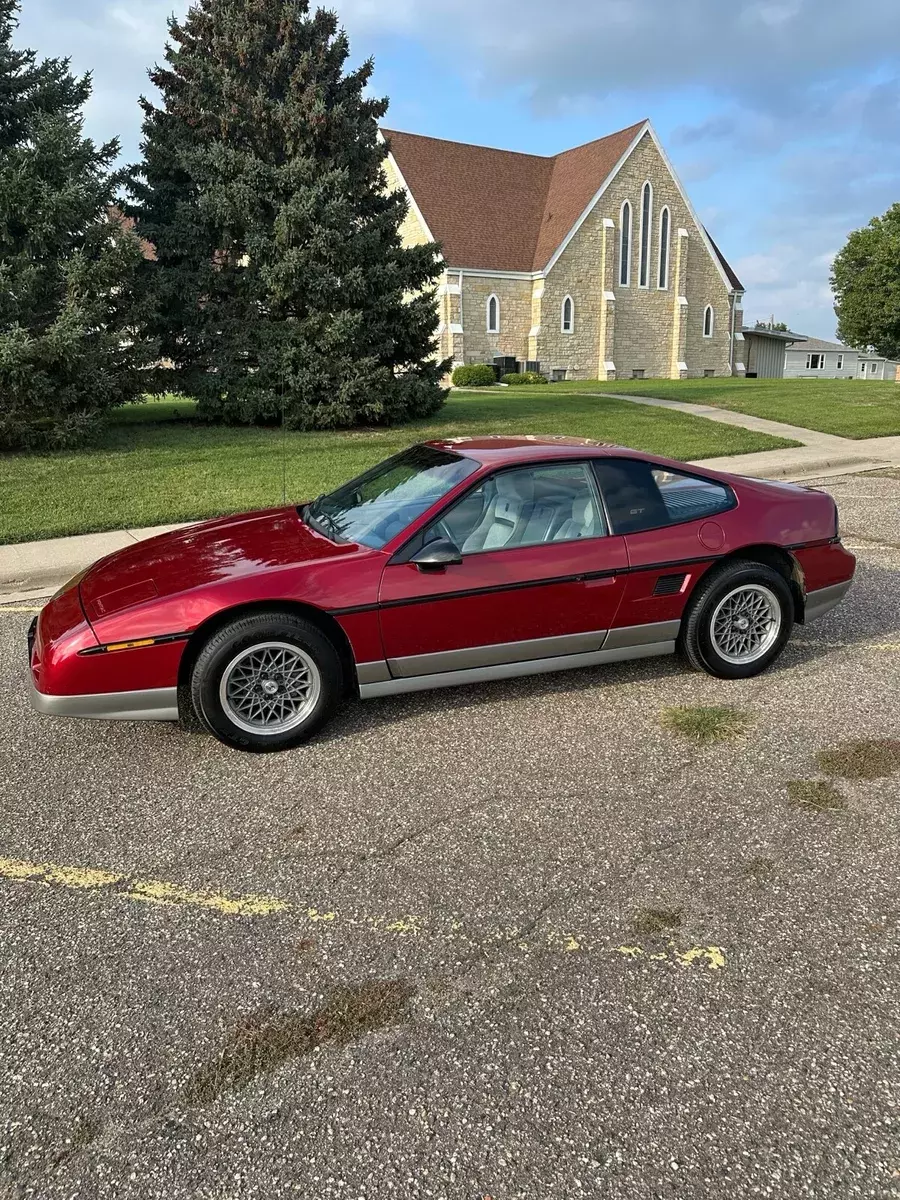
(781, 116)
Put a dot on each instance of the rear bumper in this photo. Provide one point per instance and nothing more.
(155, 704)
(823, 600)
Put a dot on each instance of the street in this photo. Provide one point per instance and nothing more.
(506, 942)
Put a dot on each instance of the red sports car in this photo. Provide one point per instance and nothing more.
(452, 562)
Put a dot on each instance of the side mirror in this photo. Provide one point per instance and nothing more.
(437, 555)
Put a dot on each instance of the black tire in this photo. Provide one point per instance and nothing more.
(696, 641)
(315, 655)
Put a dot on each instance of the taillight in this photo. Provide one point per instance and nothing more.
(837, 522)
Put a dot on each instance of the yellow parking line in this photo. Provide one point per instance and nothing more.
(153, 891)
(117, 884)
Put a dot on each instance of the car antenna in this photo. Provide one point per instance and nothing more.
(283, 446)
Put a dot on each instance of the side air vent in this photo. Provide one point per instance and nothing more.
(668, 585)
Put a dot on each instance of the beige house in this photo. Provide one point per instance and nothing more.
(592, 263)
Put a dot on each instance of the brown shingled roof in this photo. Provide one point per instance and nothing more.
(726, 266)
(501, 210)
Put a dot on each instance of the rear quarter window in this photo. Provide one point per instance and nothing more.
(639, 496)
(688, 498)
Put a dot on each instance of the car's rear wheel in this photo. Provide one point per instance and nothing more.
(738, 621)
(266, 682)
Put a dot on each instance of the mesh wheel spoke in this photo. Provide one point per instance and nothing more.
(746, 623)
(270, 688)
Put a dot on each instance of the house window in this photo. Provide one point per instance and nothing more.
(815, 362)
(646, 225)
(638, 373)
(493, 315)
(625, 246)
(709, 372)
(873, 368)
(558, 375)
(568, 315)
(840, 362)
(664, 222)
(709, 321)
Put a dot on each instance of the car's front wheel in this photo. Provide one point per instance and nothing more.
(266, 682)
(738, 621)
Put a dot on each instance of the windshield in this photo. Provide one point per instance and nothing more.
(381, 503)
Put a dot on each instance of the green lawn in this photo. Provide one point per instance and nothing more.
(155, 465)
(849, 408)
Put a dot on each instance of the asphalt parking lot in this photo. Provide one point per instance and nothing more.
(510, 942)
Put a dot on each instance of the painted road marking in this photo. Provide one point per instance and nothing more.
(149, 891)
(19, 608)
(712, 956)
(119, 885)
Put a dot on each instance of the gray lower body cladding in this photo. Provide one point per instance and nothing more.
(511, 660)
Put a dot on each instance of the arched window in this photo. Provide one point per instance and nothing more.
(493, 315)
(625, 246)
(665, 222)
(646, 226)
(709, 321)
(568, 315)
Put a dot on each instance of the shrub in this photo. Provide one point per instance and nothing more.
(524, 377)
(475, 375)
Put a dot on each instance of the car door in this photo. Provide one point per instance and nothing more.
(669, 521)
(540, 576)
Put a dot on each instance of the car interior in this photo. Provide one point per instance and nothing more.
(523, 508)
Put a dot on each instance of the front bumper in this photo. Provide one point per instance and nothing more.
(823, 600)
(155, 704)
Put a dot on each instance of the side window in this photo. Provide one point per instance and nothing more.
(640, 496)
(527, 506)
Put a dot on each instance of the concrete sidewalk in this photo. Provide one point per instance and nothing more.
(820, 454)
(32, 570)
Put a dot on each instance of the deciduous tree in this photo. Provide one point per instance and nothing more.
(866, 284)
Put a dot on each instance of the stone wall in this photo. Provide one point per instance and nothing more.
(618, 330)
(654, 330)
(515, 317)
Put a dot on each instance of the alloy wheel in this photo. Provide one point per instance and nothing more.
(746, 624)
(270, 688)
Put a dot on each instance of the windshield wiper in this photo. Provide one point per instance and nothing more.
(321, 520)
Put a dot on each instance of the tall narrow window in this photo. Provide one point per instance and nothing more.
(625, 246)
(646, 226)
(568, 315)
(664, 222)
(493, 315)
(709, 321)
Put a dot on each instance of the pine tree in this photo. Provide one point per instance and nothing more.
(280, 284)
(67, 264)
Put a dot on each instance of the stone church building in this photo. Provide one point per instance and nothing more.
(592, 263)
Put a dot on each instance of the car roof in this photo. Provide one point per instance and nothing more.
(496, 449)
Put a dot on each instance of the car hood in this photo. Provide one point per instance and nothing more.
(198, 555)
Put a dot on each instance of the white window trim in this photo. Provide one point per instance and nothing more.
(840, 362)
(644, 247)
(495, 299)
(625, 277)
(710, 312)
(562, 316)
(664, 287)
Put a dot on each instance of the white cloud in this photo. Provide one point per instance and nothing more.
(572, 49)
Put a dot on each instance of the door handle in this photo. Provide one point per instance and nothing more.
(605, 581)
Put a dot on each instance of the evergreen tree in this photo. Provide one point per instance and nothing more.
(280, 282)
(67, 264)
